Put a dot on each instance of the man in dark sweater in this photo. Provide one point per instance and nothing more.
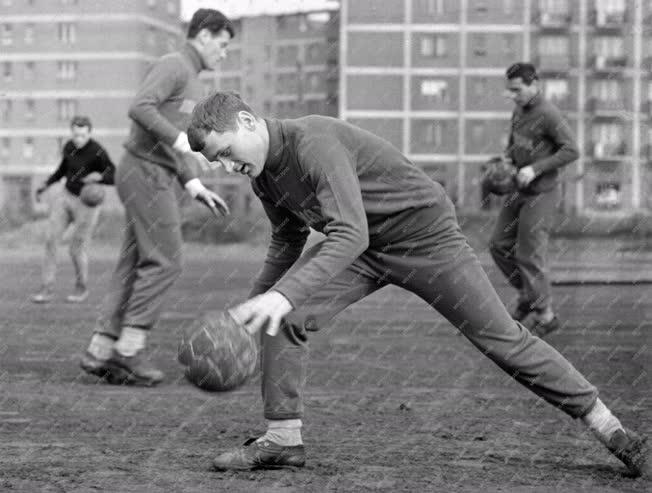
(158, 156)
(540, 144)
(84, 161)
(386, 222)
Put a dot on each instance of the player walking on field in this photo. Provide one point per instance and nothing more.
(83, 161)
(150, 258)
(386, 222)
(540, 144)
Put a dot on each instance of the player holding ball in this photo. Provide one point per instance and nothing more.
(85, 164)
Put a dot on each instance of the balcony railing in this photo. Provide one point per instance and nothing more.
(606, 150)
(553, 62)
(552, 20)
(602, 19)
(608, 63)
(596, 104)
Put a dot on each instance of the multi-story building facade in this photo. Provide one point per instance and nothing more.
(284, 65)
(429, 76)
(59, 58)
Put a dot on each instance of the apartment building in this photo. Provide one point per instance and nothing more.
(284, 65)
(429, 75)
(59, 58)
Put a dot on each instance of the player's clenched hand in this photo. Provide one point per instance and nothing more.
(268, 308)
(525, 176)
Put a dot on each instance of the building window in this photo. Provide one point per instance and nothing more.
(555, 90)
(432, 46)
(481, 6)
(555, 7)
(30, 112)
(432, 134)
(607, 140)
(7, 36)
(553, 46)
(508, 7)
(607, 90)
(479, 88)
(7, 73)
(478, 132)
(29, 71)
(5, 110)
(267, 107)
(509, 46)
(29, 34)
(609, 46)
(28, 148)
(607, 195)
(479, 44)
(67, 32)
(435, 89)
(66, 109)
(67, 70)
(435, 7)
(5, 149)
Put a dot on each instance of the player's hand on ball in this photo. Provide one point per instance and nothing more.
(525, 176)
(268, 308)
(214, 202)
(93, 177)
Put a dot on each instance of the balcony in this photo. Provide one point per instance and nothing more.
(608, 64)
(606, 107)
(646, 109)
(552, 21)
(606, 151)
(608, 21)
(553, 63)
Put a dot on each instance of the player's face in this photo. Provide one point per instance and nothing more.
(519, 92)
(80, 136)
(242, 151)
(213, 47)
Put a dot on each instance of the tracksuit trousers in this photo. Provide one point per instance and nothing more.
(150, 257)
(425, 252)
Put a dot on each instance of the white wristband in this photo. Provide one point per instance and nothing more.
(194, 186)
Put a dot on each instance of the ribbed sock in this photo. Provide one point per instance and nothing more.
(602, 422)
(131, 341)
(101, 346)
(286, 432)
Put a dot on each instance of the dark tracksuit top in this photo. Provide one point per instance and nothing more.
(340, 180)
(386, 222)
(76, 164)
(540, 137)
(162, 109)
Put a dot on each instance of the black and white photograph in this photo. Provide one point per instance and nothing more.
(288, 246)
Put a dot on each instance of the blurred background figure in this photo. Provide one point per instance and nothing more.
(83, 161)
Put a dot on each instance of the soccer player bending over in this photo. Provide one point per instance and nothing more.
(386, 222)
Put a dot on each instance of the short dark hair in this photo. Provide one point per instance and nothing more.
(526, 71)
(219, 112)
(210, 19)
(81, 121)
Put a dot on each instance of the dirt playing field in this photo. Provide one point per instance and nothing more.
(397, 400)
